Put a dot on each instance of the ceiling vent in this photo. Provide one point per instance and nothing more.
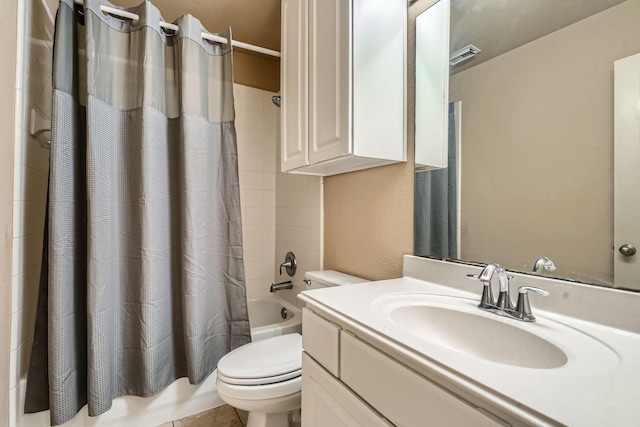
(463, 54)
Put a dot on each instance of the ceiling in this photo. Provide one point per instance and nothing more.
(252, 21)
(498, 26)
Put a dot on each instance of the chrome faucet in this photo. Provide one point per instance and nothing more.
(280, 286)
(543, 264)
(504, 300)
(504, 306)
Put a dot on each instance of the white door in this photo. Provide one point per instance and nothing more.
(294, 85)
(626, 236)
(328, 79)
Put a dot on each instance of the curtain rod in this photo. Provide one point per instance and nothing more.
(172, 27)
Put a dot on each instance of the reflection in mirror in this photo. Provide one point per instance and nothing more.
(534, 173)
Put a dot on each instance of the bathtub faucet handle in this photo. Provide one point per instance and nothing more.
(289, 264)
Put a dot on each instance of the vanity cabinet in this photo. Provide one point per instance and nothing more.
(327, 402)
(343, 85)
(369, 388)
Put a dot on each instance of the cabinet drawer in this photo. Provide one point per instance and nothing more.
(320, 338)
(327, 402)
(401, 395)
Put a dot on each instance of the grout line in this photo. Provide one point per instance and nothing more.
(238, 417)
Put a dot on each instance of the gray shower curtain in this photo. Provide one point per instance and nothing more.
(145, 278)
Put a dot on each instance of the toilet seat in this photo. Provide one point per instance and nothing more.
(263, 362)
(260, 381)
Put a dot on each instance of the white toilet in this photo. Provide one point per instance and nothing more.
(265, 377)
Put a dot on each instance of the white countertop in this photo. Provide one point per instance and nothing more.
(599, 389)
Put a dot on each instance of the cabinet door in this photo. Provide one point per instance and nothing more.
(432, 87)
(326, 402)
(294, 85)
(329, 88)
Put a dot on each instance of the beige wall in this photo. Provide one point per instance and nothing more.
(368, 215)
(8, 45)
(537, 156)
(368, 221)
(257, 71)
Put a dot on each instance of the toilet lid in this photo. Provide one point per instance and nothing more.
(263, 362)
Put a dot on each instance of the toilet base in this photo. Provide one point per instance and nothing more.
(272, 412)
(263, 419)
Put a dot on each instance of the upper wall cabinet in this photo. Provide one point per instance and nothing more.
(343, 85)
(432, 86)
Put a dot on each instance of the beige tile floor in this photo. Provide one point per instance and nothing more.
(223, 416)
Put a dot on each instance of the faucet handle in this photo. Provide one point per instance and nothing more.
(289, 264)
(523, 308)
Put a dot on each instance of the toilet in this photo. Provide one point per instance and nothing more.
(265, 377)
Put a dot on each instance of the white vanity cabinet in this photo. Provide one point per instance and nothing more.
(343, 85)
(365, 387)
(327, 402)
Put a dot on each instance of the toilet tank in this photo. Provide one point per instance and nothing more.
(326, 278)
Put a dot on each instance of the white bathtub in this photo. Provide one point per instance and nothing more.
(265, 317)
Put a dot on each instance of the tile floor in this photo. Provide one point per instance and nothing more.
(222, 416)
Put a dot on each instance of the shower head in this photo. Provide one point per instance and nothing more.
(276, 100)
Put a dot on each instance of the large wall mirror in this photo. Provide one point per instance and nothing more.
(534, 119)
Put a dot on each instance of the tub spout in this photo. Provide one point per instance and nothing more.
(280, 286)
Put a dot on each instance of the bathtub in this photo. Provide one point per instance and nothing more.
(266, 317)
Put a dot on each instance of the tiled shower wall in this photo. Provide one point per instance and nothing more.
(31, 163)
(298, 227)
(280, 212)
(256, 126)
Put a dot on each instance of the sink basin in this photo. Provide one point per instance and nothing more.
(458, 325)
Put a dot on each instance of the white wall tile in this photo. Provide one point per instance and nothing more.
(28, 218)
(269, 199)
(253, 269)
(252, 216)
(14, 405)
(254, 99)
(268, 106)
(269, 164)
(253, 161)
(26, 253)
(268, 216)
(239, 98)
(254, 180)
(24, 288)
(256, 151)
(29, 184)
(255, 288)
(269, 233)
(270, 123)
(298, 225)
(255, 119)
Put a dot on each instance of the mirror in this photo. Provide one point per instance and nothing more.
(531, 139)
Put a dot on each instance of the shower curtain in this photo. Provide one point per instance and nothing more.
(145, 278)
(436, 204)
